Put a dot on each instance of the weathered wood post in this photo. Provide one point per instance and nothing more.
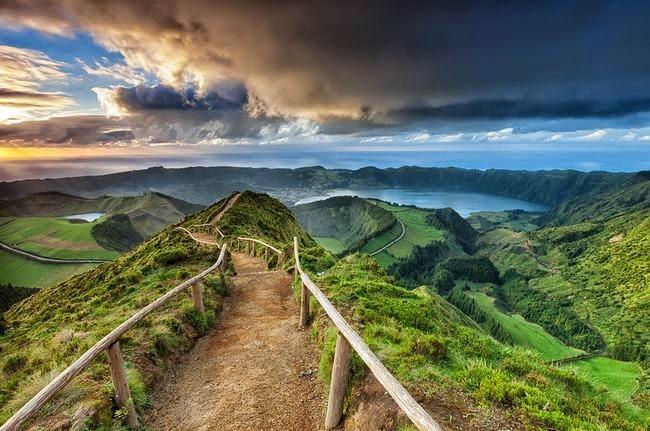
(121, 384)
(304, 305)
(238, 245)
(266, 254)
(340, 369)
(197, 296)
(296, 257)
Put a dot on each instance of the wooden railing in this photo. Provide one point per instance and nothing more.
(348, 338)
(110, 344)
(250, 246)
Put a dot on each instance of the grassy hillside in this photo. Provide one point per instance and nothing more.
(521, 331)
(517, 220)
(633, 195)
(430, 347)
(351, 220)
(20, 271)
(449, 220)
(50, 329)
(10, 294)
(149, 212)
(54, 237)
(419, 232)
(35, 224)
(606, 276)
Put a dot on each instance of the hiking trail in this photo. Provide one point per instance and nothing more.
(255, 371)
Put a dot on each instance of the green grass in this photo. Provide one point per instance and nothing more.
(54, 237)
(418, 232)
(524, 221)
(331, 244)
(432, 349)
(524, 332)
(618, 377)
(24, 272)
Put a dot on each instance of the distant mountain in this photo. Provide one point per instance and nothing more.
(205, 184)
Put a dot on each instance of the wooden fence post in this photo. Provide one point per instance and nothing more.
(266, 254)
(304, 305)
(121, 384)
(340, 369)
(197, 296)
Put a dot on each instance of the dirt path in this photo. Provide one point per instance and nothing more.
(255, 371)
(225, 208)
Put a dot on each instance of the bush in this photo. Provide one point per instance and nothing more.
(430, 346)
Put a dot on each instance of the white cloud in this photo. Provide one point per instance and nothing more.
(117, 71)
(593, 136)
(22, 73)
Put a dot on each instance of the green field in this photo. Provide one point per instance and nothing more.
(524, 332)
(331, 244)
(23, 272)
(54, 237)
(418, 232)
(618, 377)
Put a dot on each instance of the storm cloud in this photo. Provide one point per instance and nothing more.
(337, 58)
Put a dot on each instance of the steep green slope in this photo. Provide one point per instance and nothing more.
(606, 277)
(48, 330)
(116, 233)
(349, 219)
(449, 220)
(10, 294)
(439, 356)
(633, 195)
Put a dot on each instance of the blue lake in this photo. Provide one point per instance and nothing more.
(463, 203)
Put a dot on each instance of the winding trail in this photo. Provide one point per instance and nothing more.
(255, 371)
(229, 203)
(44, 259)
(393, 241)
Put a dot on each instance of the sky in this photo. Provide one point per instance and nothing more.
(98, 86)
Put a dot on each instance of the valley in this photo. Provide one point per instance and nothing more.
(67, 228)
(555, 264)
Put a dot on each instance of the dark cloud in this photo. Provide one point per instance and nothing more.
(504, 109)
(335, 57)
(163, 97)
(70, 130)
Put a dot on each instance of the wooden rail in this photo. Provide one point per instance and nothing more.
(248, 245)
(110, 345)
(346, 338)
